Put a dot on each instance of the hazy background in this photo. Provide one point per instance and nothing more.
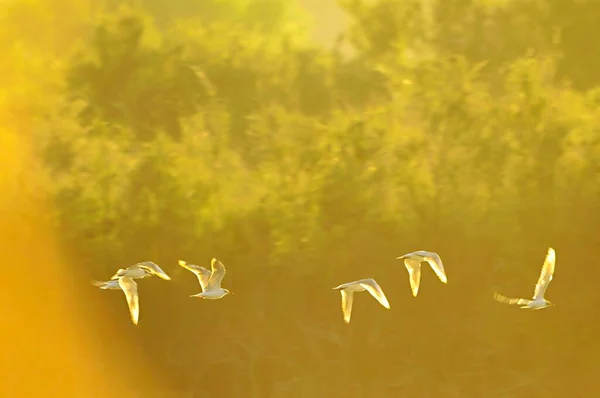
(304, 144)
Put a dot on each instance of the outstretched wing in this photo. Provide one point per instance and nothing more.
(217, 275)
(508, 300)
(375, 290)
(435, 262)
(131, 294)
(546, 275)
(135, 271)
(347, 300)
(201, 273)
(154, 269)
(414, 274)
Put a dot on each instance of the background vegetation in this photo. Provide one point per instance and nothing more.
(186, 130)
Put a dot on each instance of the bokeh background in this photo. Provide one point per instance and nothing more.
(304, 144)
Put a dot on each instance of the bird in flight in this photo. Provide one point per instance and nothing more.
(210, 281)
(123, 279)
(538, 301)
(412, 262)
(347, 290)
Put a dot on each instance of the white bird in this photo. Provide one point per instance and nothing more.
(142, 270)
(347, 290)
(129, 287)
(210, 281)
(124, 279)
(546, 276)
(412, 262)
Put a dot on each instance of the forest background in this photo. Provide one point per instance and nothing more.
(304, 144)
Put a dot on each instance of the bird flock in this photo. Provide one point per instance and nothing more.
(210, 282)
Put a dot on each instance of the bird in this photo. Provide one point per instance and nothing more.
(141, 270)
(412, 262)
(347, 290)
(124, 279)
(210, 281)
(129, 287)
(538, 301)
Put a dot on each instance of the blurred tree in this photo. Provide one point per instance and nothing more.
(128, 76)
(270, 17)
(575, 25)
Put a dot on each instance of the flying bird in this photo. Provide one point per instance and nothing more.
(347, 290)
(412, 262)
(210, 281)
(546, 276)
(123, 279)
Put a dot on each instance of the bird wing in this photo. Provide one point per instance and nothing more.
(154, 269)
(347, 300)
(112, 284)
(201, 273)
(131, 294)
(508, 300)
(376, 291)
(436, 264)
(546, 275)
(343, 285)
(134, 271)
(217, 275)
(414, 274)
(203, 277)
(404, 256)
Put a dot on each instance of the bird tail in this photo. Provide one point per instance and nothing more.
(106, 284)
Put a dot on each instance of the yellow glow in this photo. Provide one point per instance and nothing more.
(49, 330)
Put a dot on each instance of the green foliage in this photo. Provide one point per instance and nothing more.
(228, 134)
(128, 80)
(266, 16)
